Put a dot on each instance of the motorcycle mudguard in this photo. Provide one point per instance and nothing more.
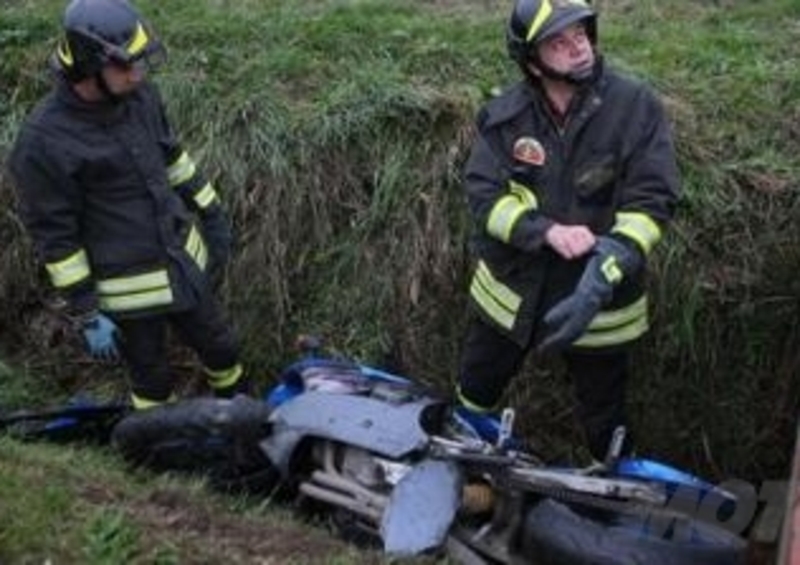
(421, 508)
(391, 430)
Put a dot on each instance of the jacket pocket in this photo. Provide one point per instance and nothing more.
(595, 181)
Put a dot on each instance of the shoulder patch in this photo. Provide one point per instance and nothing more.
(529, 150)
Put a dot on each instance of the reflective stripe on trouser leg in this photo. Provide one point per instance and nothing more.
(142, 403)
(224, 378)
(143, 346)
(467, 403)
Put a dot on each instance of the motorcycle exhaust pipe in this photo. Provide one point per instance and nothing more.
(342, 501)
(357, 491)
(339, 491)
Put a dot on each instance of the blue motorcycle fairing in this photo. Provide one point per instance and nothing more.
(377, 374)
(292, 380)
(672, 478)
(391, 430)
(422, 508)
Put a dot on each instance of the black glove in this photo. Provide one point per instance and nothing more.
(610, 262)
(219, 239)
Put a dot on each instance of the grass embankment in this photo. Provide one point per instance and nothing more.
(65, 505)
(336, 132)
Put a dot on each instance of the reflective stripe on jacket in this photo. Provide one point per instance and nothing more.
(611, 167)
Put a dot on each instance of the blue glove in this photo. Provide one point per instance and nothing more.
(610, 262)
(100, 335)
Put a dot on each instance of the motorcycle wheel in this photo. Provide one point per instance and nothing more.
(556, 534)
(210, 437)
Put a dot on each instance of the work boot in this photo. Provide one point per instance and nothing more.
(485, 426)
(243, 386)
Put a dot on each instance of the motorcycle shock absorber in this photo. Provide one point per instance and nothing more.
(477, 498)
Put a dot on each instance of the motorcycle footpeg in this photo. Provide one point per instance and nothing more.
(615, 448)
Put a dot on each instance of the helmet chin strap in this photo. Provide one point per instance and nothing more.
(576, 78)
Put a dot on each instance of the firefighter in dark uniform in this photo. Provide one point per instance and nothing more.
(127, 226)
(571, 182)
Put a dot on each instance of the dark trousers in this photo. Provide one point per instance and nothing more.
(144, 346)
(490, 360)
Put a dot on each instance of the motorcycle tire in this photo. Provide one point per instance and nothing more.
(556, 534)
(215, 438)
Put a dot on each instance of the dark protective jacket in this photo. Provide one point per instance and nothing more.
(610, 166)
(109, 198)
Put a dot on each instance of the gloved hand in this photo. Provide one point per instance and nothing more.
(610, 262)
(100, 335)
(219, 239)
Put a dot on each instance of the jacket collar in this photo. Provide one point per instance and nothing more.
(102, 111)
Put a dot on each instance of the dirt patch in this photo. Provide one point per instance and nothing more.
(198, 531)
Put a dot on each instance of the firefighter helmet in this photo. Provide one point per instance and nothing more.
(99, 32)
(533, 21)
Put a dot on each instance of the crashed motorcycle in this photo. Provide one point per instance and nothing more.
(388, 459)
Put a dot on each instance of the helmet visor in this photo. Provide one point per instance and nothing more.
(143, 50)
(150, 60)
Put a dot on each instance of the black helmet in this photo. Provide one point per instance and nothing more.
(99, 32)
(533, 21)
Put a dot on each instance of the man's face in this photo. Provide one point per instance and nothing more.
(569, 51)
(124, 78)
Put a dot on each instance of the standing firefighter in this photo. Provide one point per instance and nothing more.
(571, 181)
(127, 226)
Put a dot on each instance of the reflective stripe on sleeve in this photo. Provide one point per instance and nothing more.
(69, 270)
(508, 209)
(205, 196)
(181, 170)
(639, 227)
(196, 248)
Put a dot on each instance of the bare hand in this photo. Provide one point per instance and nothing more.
(570, 242)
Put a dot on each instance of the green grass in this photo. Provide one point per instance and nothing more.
(73, 504)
